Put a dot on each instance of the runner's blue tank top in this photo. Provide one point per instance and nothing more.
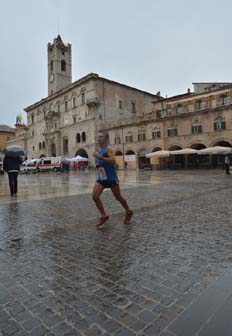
(106, 171)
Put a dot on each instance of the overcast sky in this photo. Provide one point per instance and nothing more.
(154, 45)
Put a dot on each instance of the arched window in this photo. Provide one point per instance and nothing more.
(172, 131)
(129, 137)
(78, 138)
(74, 101)
(58, 107)
(117, 139)
(225, 100)
(219, 124)
(196, 127)
(141, 135)
(83, 136)
(63, 65)
(44, 112)
(43, 144)
(40, 146)
(200, 105)
(65, 145)
(51, 65)
(51, 107)
(156, 133)
(179, 108)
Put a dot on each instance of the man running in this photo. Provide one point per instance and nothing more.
(107, 178)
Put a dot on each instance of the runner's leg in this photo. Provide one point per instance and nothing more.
(117, 194)
(97, 190)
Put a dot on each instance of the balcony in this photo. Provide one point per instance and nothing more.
(93, 102)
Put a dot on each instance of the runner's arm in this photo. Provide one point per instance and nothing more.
(110, 159)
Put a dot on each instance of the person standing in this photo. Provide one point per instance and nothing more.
(107, 178)
(227, 164)
(12, 166)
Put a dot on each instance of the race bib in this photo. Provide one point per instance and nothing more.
(102, 173)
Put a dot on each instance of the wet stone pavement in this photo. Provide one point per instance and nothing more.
(168, 273)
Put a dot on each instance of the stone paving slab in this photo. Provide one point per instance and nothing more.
(59, 276)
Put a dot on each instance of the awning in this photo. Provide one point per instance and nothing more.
(158, 154)
(214, 150)
(78, 158)
(184, 151)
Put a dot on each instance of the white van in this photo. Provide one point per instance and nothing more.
(49, 163)
(29, 166)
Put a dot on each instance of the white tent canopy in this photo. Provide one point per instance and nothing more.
(187, 151)
(78, 158)
(158, 154)
(214, 150)
(184, 151)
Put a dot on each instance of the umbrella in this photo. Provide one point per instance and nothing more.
(158, 154)
(184, 151)
(214, 150)
(14, 151)
(78, 158)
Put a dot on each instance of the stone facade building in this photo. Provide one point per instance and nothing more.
(198, 119)
(6, 134)
(20, 134)
(20, 138)
(66, 122)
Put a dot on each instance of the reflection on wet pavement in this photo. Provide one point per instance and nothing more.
(47, 185)
(60, 276)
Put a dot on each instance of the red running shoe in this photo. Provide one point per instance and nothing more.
(101, 222)
(128, 217)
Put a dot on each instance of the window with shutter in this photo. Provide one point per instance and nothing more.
(223, 125)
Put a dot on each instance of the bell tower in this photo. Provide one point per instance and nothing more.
(59, 65)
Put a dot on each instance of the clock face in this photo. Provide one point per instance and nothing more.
(52, 77)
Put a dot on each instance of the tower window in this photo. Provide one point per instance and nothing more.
(63, 65)
(66, 106)
(51, 65)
